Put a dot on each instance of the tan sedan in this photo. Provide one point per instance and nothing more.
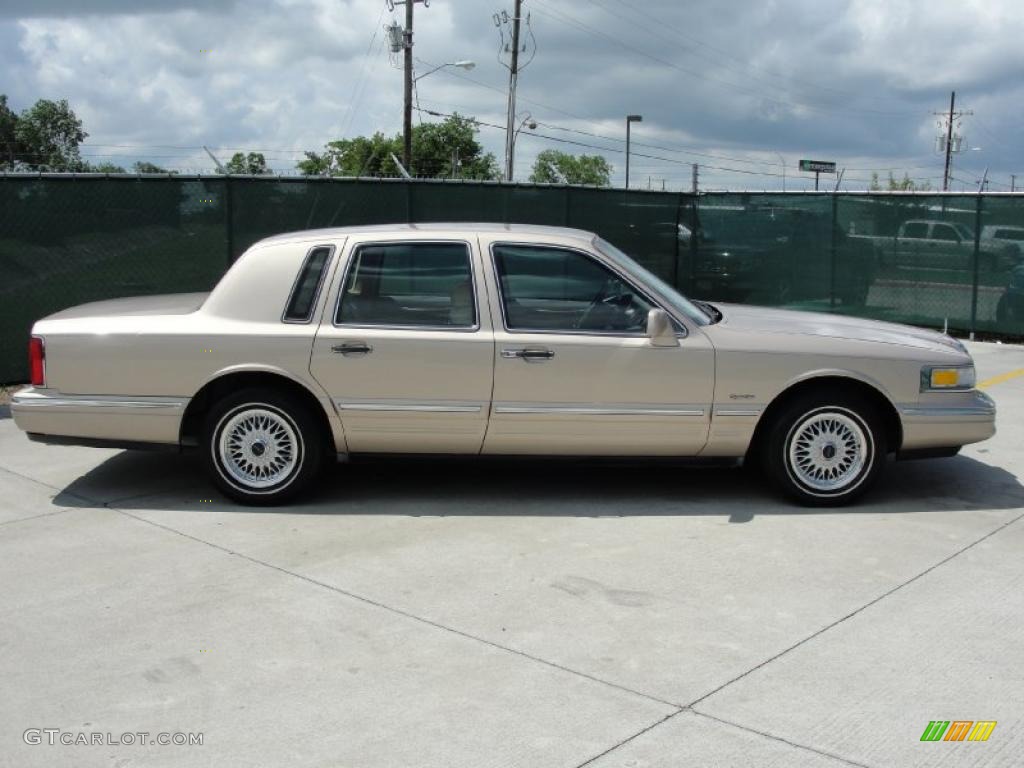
(489, 339)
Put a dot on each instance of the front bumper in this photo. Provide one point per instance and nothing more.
(98, 419)
(947, 420)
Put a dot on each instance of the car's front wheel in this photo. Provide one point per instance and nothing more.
(261, 447)
(825, 450)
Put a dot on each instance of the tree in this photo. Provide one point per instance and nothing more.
(448, 149)
(906, 184)
(8, 142)
(253, 164)
(48, 135)
(361, 156)
(141, 166)
(101, 168)
(554, 167)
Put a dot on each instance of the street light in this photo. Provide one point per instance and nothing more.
(526, 122)
(629, 120)
(465, 64)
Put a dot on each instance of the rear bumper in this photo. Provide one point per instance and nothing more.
(964, 417)
(98, 419)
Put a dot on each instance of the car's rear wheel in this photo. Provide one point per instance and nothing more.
(825, 450)
(261, 447)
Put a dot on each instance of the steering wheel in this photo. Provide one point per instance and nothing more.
(602, 301)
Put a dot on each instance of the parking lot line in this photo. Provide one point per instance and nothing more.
(1001, 378)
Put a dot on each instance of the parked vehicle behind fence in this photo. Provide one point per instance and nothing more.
(940, 246)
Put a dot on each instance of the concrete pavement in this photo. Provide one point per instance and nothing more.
(445, 614)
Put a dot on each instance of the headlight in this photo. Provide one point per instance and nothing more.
(936, 378)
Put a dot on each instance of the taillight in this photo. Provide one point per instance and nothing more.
(37, 361)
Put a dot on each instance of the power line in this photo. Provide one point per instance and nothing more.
(356, 96)
(613, 149)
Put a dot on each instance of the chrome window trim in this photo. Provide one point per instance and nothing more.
(600, 260)
(319, 285)
(370, 326)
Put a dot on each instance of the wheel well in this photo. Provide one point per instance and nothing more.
(890, 417)
(212, 391)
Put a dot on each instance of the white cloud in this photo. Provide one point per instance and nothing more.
(853, 81)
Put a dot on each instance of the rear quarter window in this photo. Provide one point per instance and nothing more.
(307, 285)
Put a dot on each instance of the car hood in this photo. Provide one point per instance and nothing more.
(749, 319)
(167, 304)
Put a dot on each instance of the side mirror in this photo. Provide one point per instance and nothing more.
(660, 330)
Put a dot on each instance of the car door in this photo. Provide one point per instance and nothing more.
(575, 372)
(911, 245)
(407, 350)
(946, 250)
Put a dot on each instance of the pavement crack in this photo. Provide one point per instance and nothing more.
(36, 517)
(58, 489)
(404, 613)
(856, 611)
(773, 737)
(628, 739)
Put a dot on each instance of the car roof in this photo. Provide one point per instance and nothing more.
(447, 228)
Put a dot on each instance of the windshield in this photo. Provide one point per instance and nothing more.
(675, 299)
(966, 233)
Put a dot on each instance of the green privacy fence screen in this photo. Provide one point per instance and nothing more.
(937, 260)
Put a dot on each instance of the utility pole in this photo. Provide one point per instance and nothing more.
(949, 141)
(1013, 182)
(407, 111)
(513, 77)
(950, 145)
(696, 178)
(407, 47)
(630, 119)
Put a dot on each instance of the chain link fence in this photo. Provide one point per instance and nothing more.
(937, 260)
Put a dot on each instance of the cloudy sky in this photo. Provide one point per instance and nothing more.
(745, 89)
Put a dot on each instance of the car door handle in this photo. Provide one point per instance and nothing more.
(530, 354)
(352, 348)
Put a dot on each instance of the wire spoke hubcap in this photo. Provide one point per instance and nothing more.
(258, 448)
(827, 451)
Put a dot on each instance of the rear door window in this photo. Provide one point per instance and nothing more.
(409, 285)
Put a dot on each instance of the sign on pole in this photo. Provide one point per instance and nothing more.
(818, 166)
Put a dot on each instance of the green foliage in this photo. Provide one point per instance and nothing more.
(554, 167)
(142, 166)
(253, 164)
(47, 137)
(101, 168)
(361, 156)
(8, 145)
(434, 147)
(906, 184)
